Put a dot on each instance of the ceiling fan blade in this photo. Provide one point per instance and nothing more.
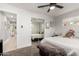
(59, 6)
(48, 10)
(43, 6)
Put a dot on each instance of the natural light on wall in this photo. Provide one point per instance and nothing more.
(77, 23)
(71, 23)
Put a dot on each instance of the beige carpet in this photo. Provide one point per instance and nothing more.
(27, 51)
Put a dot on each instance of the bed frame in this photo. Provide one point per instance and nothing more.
(48, 51)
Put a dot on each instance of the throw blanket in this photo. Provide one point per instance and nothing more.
(46, 50)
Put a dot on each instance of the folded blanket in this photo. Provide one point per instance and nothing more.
(46, 50)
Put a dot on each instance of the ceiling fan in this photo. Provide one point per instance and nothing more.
(51, 6)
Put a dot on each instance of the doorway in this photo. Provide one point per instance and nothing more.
(8, 30)
(37, 30)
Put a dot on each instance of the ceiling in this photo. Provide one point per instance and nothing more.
(56, 12)
(11, 17)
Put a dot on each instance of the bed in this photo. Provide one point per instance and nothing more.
(38, 36)
(70, 45)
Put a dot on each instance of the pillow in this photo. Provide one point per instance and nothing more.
(70, 34)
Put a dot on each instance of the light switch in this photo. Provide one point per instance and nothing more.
(21, 26)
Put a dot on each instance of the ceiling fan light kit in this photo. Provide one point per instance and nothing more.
(51, 6)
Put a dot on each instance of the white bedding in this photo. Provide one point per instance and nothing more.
(37, 36)
(71, 46)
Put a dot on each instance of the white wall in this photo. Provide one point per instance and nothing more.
(35, 28)
(49, 32)
(58, 20)
(23, 18)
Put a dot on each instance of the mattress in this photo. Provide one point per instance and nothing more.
(37, 36)
(70, 45)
